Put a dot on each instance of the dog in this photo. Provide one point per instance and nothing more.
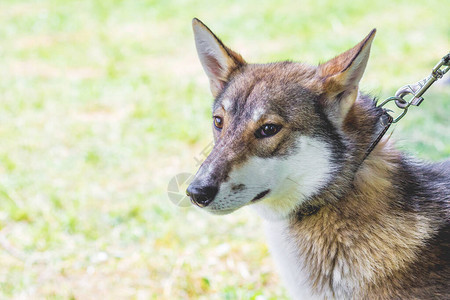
(291, 142)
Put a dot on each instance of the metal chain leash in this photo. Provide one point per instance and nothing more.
(415, 90)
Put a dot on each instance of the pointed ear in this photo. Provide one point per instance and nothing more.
(217, 60)
(341, 76)
(345, 70)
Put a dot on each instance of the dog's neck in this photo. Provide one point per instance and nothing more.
(349, 235)
(353, 242)
(358, 132)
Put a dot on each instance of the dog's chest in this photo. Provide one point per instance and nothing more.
(289, 264)
(294, 270)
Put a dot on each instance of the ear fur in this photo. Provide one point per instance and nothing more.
(341, 75)
(217, 60)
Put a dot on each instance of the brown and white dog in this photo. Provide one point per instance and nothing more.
(290, 141)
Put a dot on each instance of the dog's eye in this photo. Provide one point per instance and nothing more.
(267, 130)
(218, 122)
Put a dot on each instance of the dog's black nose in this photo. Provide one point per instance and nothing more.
(201, 195)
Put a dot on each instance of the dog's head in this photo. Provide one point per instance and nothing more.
(277, 127)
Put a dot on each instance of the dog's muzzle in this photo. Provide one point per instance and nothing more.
(201, 195)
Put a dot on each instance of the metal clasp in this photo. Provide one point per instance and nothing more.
(411, 89)
(416, 90)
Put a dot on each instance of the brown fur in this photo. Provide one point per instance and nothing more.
(364, 233)
(259, 84)
(379, 229)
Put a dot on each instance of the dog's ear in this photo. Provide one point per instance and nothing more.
(341, 75)
(217, 60)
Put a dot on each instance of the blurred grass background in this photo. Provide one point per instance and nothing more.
(103, 102)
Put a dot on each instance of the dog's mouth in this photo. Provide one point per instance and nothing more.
(260, 196)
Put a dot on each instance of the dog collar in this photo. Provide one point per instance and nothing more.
(384, 122)
(308, 210)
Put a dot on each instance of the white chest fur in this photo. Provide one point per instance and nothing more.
(287, 259)
(291, 265)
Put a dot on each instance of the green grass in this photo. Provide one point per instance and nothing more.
(103, 102)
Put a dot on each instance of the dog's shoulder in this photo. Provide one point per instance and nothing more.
(425, 185)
